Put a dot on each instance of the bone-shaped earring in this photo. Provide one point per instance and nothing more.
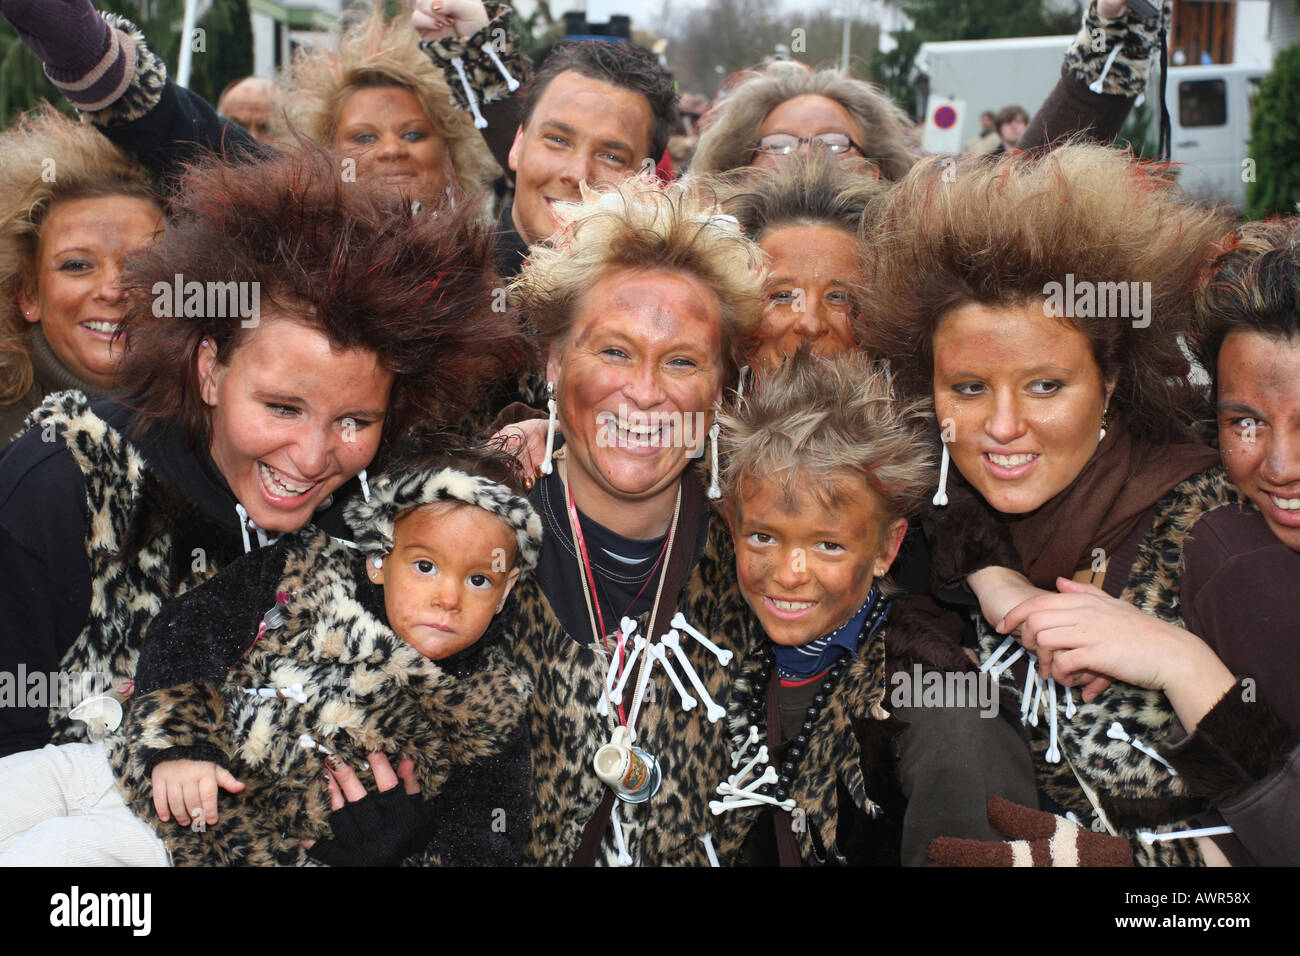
(662, 656)
(679, 622)
(1069, 704)
(674, 640)
(551, 411)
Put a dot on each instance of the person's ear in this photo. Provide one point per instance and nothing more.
(511, 578)
(889, 547)
(512, 160)
(375, 569)
(1110, 390)
(210, 369)
(553, 362)
(29, 306)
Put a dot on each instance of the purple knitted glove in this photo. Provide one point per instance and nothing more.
(89, 61)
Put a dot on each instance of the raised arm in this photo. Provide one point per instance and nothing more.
(480, 38)
(103, 66)
(1104, 73)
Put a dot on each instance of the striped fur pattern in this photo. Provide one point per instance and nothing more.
(372, 521)
(366, 690)
(147, 82)
(1134, 790)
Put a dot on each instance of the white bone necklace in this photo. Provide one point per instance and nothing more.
(638, 665)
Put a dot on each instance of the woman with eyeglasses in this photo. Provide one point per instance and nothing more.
(775, 111)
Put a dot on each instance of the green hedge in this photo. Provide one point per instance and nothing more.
(1275, 140)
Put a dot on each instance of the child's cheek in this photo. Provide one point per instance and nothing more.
(753, 570)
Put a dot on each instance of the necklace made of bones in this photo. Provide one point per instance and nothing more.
(632, 772)
(770, 786)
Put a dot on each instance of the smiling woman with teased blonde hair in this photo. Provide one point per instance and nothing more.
(72, 207)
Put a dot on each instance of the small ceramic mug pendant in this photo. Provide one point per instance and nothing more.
(629, 771)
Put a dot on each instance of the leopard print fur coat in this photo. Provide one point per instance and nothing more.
(363, 689)
(568, 674)
(138, 547)
(1100, 776)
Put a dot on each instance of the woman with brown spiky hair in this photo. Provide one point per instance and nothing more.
(1042, 305)
(282, 334)
(72, 208)
(807, 216)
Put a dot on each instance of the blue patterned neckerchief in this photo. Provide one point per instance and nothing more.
(806, 662)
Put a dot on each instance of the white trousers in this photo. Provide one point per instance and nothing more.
(60, 806)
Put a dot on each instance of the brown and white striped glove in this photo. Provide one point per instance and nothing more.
(1034, 839)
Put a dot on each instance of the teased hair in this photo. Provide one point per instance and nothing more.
(378, 52)
(812, 421)
(1253, 285)
(999, 234)
(641, 224)
(48, 158)
(808, 190)
(351, 259)
(618, 63)
(730, 130)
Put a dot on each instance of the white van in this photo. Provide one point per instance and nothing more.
(1209, 106)
(1209, 115)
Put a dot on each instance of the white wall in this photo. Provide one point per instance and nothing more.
(263, 45)
(1250, 46)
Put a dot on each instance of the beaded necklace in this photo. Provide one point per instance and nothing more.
(775, 786)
